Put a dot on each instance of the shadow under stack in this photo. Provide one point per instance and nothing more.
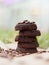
(27, 41)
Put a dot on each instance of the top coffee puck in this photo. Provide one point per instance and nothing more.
(26, 25)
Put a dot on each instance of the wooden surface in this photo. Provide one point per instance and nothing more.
(32, 59)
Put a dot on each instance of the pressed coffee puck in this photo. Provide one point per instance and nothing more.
(26, 25)
(30, 33)
(25, 39)
(28, 45)
(25, 50)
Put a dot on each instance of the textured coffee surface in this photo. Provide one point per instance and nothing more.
(27, 41)
(30, 33)
(26, 25)
(28, 45)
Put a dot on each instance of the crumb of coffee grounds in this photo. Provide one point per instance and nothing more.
(11, 53)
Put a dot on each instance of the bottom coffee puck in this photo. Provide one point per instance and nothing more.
(24, 50)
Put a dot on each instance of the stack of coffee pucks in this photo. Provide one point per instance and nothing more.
(27, 41)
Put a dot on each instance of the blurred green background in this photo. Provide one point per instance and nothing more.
(8, 36)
